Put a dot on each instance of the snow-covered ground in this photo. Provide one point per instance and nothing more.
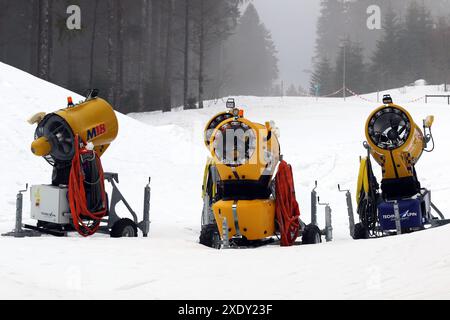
(321, 139)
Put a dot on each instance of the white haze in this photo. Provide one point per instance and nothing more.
(293, 27)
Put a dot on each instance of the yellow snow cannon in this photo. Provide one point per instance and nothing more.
(396, 142)
(400, 204)
(94, 121)
(72, 140)
(239, 193)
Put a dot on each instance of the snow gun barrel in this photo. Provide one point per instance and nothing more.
(244, 157)
(94, 121)
(242, 149)
(395, 141)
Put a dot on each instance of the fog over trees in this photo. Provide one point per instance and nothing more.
(143, 55)
(147, 55)
(413, 44)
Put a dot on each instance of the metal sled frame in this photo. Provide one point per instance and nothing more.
(236, 242)
(116, 198)
(432, 221)
(112, 218)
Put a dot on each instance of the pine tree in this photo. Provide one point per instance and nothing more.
(168, 58)
(386, 71)
(253, 54)
(440, 53)
(415, 41)
(292, 91)
(330, 27)
(186, 57)
(213, 22)
(276, 91)
(45, 45)
(323, 79)
(355, 69)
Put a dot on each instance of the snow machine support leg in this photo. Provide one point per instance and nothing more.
(225, 237)
(328, 224)
(315, 202)
(441, 215)
(398, 222)
(314, 205)
(117, 197)
(328, 231)
(351, 216)
(19, 232)
(438, 222)
(145, 224)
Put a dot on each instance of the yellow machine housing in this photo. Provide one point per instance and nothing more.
(77, 199)
(93, 121)
(399, 158)
(256, 218)
(252, 217)
(262, 161)
(400, 203)
(396, 143)
(363, 180)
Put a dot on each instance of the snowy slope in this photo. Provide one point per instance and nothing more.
(322, 139)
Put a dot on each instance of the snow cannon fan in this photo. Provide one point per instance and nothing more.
(241, 149)
(396, 143)
(239, 190)
(93, 121)
(72, 140)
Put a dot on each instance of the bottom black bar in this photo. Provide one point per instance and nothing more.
(199, 310)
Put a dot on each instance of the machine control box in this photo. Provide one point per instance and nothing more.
(50, 204)
(411, 215)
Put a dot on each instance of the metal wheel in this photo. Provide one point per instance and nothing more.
(311, 235)
(210, 236)
(124, 228)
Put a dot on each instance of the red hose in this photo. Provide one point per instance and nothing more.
(77, 194)
(287, 209)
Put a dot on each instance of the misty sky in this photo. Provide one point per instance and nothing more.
(293, 27)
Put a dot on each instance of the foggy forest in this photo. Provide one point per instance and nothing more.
(148, 55)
